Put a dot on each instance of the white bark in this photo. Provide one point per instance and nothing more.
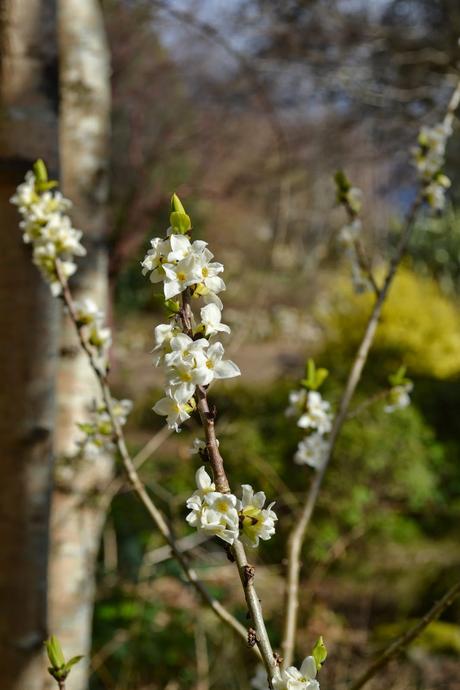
(77, 514)
(28, 344)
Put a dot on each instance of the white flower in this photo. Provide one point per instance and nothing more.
(297, 402)
(312, 451)
(211, 511)
(219, 368)
(86, 311)
(256, 521)
(25, 193)
(180, 248)
(163, 335)
(121, 410)
(99, 336)
(399, 398)
(219, 516)
(430, 151)
(317, 415)
(197, 446)
(435, 192)
(98, 430)
(293, 679)
(180, 276)
(209, 273)
(184, 348)
(211, 319)
(186, 363)
(155, 258)
(49, 231)
(174, 407)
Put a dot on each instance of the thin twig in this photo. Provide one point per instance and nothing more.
(402, 642)
(246, 572)
(134, 478)
(361, 255)
(377, 397)
(297, 535)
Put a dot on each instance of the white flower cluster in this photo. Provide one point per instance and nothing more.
(190, 359)
(293, 679)
(315, 416)
(429, 155)
(98, 431)
(399, 397)
(48, 229)
(227, 517)
(91, 323)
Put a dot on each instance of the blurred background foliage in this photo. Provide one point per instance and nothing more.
(246, 109)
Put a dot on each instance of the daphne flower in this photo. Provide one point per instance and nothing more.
(183, 347)
(86, 311)
(219, 516)
(180, 276)
(197, 447)
(435, 192)
(398, 398)
(186, 374)
(256, 521)
(49, 231)
(174, 407)
(99, 336)
(430, 152)
(98, 430)
(25, 193)
(317, 415)
(211, 319)
(297, 402)
(163, 335)
(293, 679)
(312, 451)
(219, 368)
(211, 511)
(209, 275)
(155, 258)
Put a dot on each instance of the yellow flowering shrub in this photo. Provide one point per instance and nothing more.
(419, 323)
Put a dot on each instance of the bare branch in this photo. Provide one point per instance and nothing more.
(134, 478)
(402, 642)
(296, 538)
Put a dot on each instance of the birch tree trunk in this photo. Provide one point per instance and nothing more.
(28, 344)
(78, 513)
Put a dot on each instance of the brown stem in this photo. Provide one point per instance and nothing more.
(207, 417)
(245, 571)
(215, 458)
(402, 642)
(133, 476)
